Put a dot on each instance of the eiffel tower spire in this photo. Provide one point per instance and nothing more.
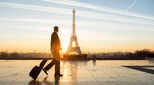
(73, 39)
(73, 25)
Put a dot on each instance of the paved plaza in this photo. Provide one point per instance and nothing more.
(100, 72)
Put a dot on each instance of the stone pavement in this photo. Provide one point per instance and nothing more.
(100, 72)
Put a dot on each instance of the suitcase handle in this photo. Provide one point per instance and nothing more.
(43, 62)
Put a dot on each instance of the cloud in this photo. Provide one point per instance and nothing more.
(81, 13)
(38, 8)
(39, 24)
(35, 20)
(101, 8)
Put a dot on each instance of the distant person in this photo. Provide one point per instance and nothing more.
(94, 57)
(55, 50)
(94, 60)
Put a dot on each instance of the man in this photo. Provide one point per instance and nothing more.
(55, 50)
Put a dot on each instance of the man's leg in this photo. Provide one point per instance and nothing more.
(57, 67)
(45, 69)
(57, 64)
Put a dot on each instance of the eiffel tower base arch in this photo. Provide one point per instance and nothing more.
(74, 49)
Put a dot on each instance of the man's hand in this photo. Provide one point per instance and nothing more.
(60, 48)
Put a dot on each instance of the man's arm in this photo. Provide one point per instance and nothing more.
(52, 42)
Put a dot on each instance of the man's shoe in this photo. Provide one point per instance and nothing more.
(58, 75)
(45, 71)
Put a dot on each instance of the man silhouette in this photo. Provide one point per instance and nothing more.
(55, 50)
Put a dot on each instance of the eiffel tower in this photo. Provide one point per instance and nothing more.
(73, 39)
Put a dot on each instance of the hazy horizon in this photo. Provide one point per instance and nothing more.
(101, 26)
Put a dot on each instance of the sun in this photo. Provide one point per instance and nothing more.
(64, 47)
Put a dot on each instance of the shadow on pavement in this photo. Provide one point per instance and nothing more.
(44, 82)
(142, 68)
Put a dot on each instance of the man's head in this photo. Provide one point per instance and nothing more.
(55, 28)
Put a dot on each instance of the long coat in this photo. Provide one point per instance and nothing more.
(55, 45)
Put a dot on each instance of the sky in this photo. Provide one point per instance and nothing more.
(101, 25)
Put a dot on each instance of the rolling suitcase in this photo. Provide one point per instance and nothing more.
(37, 69)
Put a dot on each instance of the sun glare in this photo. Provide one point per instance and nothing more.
(64, 47)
